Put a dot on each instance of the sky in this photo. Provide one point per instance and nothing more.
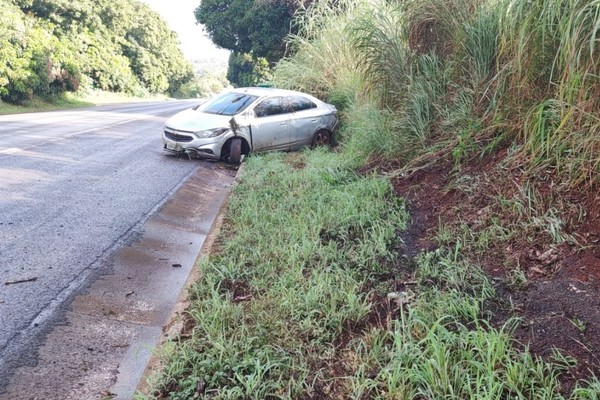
(179, 15)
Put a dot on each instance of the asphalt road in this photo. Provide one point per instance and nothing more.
(73, 184)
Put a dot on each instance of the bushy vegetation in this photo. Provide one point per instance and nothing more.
(458, 77)
(204, 84)
(245, 70)
(50, 47)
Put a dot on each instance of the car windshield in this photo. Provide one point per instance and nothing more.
(228, 104)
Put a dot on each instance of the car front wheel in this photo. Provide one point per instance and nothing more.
(322, 138)
(235, 151)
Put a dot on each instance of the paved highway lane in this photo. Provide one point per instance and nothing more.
(72, 186)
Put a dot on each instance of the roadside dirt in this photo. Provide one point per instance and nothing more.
(543, 255)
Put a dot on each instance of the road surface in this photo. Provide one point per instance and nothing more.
(75, 187)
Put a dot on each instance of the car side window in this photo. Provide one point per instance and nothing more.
(300, 103)
(270, 106)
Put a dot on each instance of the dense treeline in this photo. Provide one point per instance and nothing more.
(52, 46)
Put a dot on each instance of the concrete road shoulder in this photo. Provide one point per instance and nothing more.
(103, 343)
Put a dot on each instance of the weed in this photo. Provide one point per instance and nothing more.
(517, 280)
(579, 324)
(464, 148)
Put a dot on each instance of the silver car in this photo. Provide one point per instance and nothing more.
(247, 120)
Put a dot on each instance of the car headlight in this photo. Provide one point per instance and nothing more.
(211, 133)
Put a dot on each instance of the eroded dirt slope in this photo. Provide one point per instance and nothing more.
(538, 240)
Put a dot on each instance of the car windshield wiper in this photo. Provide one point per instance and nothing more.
(225, 109)
(242, 106)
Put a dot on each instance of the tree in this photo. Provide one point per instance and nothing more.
(253, 29)
(245, 70)
(247, 26)
(50, 46)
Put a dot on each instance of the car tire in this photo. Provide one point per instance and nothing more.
(235, 151)
(322, 138)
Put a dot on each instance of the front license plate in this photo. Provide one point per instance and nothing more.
(173, 146)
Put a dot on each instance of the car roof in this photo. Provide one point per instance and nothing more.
(267, 91)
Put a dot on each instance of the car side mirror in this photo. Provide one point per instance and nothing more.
(196, 107)
(260, 111)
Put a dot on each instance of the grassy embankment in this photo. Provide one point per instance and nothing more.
(69, 101)
(37, 105)
(295, 302)
(305, 296)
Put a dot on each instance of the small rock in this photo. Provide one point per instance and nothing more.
(200, 388)
(401, 298)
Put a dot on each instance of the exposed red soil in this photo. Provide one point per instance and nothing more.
(559, 302)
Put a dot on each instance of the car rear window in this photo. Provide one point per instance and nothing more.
(270, 106)
(299, 103)
(228, 104)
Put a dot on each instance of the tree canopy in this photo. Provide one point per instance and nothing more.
(247, 26)
(51, 46)
(253, 29)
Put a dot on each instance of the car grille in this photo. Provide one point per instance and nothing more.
(178, 137)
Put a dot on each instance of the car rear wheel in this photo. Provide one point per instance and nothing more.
(322, 138)
(235, 151)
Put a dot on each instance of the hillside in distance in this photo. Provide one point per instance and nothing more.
(55, 46)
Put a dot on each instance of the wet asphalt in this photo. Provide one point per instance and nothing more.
(98, 232)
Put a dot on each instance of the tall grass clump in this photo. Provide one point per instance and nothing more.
(302, 236)
(549, 50)
(432, 64)
(370, 131)
(323, 62)
(408, 84)
(422, 106)
(379, 38)
(479, 45)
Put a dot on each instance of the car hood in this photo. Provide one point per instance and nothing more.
(196, 121)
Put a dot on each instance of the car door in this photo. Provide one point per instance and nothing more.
(305, 119)
(271, 128)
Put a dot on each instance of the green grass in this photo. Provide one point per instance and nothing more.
(299, 246)
(287, 307)
(48, 104)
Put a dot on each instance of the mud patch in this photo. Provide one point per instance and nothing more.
(238, 291)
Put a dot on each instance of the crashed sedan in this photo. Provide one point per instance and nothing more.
(247, 120)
